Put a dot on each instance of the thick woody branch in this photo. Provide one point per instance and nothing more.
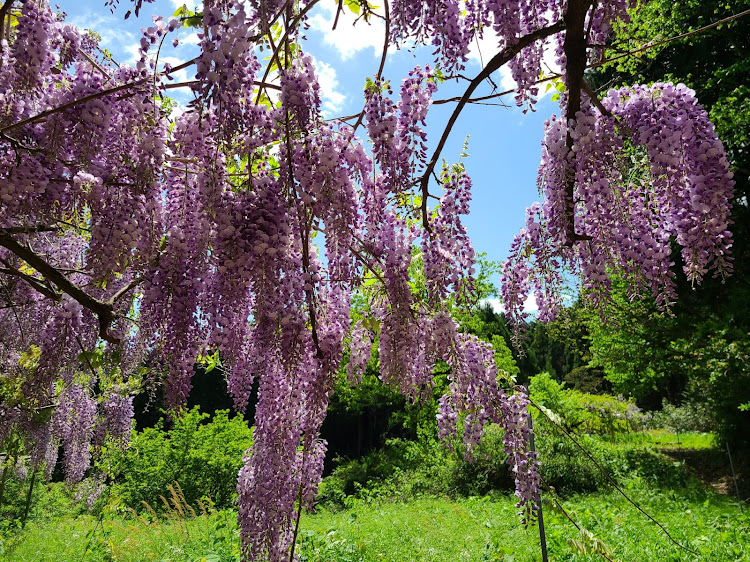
(503, 57)
(104, 310)
(574, 46)
(31, 229)
(31, 280)
(4, 14)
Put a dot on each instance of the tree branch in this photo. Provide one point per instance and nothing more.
(494, 64)
(28, 229)
(44, 114)
(574, 47)
(31, 280)
(3, 14)
(103, 310)
(126, 289)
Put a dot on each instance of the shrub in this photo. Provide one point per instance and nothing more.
(488, 469)
(203, 458)
(690, 416)
(401, 467)
(564, 467)
(599, 414)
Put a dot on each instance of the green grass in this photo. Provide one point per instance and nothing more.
(407, 515)
(213, 537)
(661, 438)
(427, 528)
(479, 529)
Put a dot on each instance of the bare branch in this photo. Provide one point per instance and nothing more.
(672, 39)
(494, 64)
(339, 10)
(126, 289)
(383, 57)
(95, 64)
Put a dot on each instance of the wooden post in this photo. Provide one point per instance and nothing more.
(734, 477)
(542, 534)
(28, 499)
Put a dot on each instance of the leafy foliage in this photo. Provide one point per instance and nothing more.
(696, 355)
(599, 414)
(201, 456)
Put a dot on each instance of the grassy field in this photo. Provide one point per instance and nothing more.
(382, 522)
(428, 528)
(486, 529)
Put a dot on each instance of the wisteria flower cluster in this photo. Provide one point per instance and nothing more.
(244, 226)
(626, 225)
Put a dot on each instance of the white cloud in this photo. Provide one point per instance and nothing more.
(109, 27)
(347, 38)
(191, 4)
(482, 50)
(333, 100)
(191, 39)
(529, 305)
(133, 52)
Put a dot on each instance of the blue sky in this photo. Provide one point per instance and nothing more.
(504, 143)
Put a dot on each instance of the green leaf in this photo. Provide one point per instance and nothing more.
(353, 5)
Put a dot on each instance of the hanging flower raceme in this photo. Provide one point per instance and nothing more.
(31, 48)
(438, 23)
(474, 399)
(243, 228)
(74, 427)
(447, 252)
(626, 226)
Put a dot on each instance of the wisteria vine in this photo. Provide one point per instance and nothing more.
(243, 228)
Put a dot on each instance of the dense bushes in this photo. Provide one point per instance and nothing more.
(203, 458)
(406, 469)
(602, 424)
(599, 414)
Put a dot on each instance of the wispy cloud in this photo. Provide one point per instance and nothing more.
(109, 27)
(191, 39)
(529, 305)
(191, 4)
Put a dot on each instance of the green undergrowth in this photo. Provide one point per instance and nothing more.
(486, 528)
(181, 531)
(403, 469)
(438, 529)
(422, 501)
